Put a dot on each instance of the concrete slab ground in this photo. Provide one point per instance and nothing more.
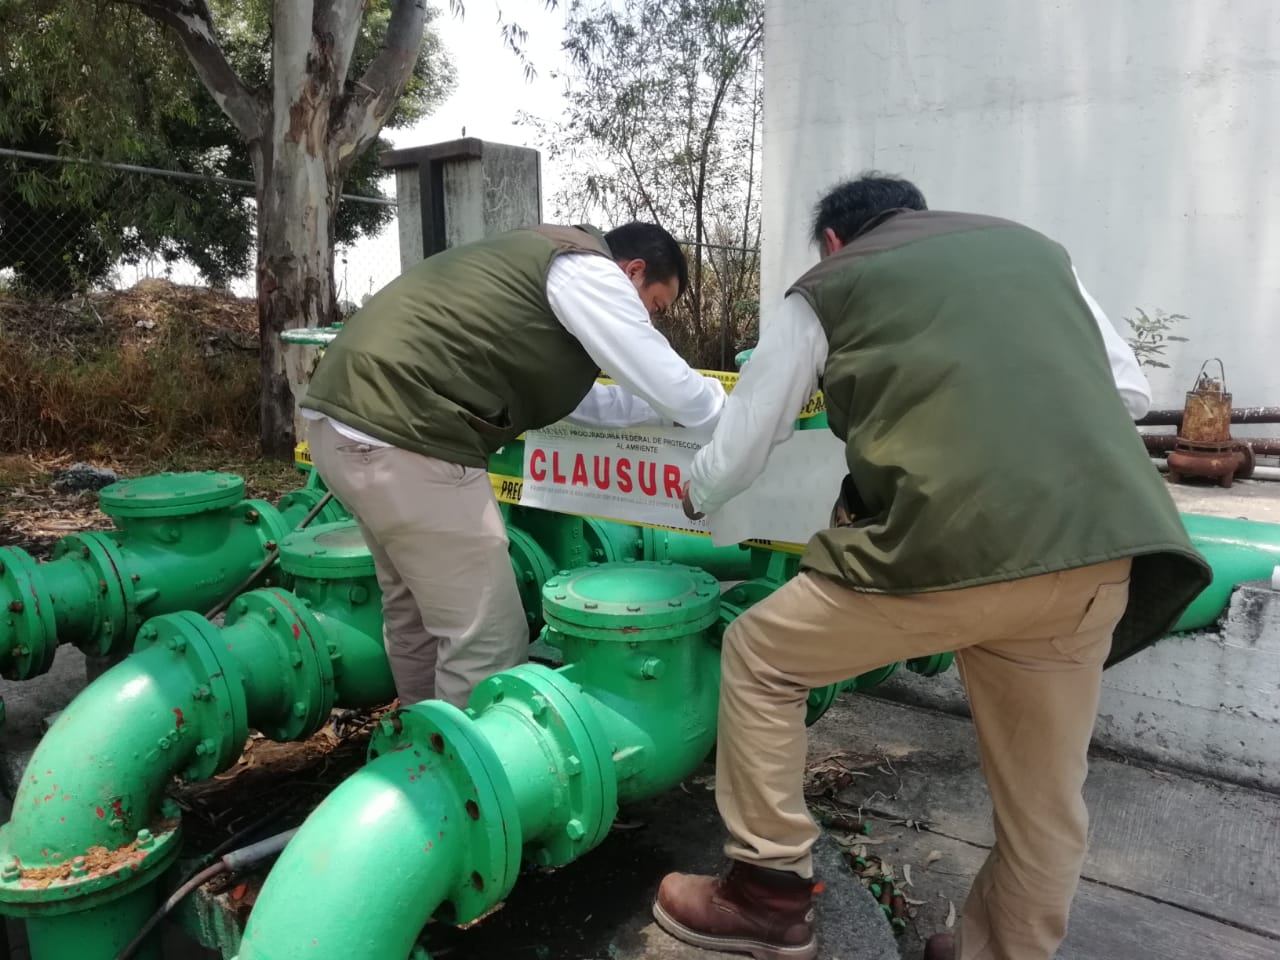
(1246, 499)
(599, 907)
(1179, 867)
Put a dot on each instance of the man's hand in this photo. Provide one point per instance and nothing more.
(689, 510)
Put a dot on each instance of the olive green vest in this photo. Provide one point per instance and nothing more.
(461, 353)
(985, 437)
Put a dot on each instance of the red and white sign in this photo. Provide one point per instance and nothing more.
(633, 475)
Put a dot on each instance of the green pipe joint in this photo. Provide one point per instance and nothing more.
(89, 823)
(181, 541)
(574, 541)
(634, 636)
(452, 802)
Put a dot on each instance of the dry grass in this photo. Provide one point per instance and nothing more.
(159, 377)
(150, 371)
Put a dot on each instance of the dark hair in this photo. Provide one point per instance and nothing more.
(850, 206)
(662, 256)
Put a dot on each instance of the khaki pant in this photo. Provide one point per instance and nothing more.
(451, 610)
(1030, 653)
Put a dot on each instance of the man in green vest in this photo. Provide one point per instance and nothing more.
(450, 361)
(998, 503)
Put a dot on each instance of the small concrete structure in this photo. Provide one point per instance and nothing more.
(460, 191)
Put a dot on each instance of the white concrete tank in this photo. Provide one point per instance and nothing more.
(1145, 136)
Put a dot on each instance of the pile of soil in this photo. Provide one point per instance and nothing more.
(137, 315)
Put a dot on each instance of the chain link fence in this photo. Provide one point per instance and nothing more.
(71, 227)
(74, 226)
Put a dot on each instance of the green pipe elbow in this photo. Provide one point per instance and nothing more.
(433, 817)
(376, 828)
(182, 705)
(97, 776)
(1238, 551)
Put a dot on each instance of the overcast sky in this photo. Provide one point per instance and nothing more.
(491, 90)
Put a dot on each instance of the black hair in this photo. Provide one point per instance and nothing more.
(850, 206)
(662, 256)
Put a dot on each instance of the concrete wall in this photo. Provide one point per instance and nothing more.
(1143, 135)
(1205, 702)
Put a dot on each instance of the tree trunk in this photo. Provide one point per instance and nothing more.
(297, 196)
(303, 133)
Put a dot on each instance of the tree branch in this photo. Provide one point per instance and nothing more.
(192, 23)
(337, 22)
(361, 113)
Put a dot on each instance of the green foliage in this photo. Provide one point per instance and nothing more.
(663, 124)
(100, 80)
(1151, 335)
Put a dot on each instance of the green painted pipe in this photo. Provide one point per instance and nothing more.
(182, 705)
(573, 541)
(102, 931)
(633, 636)
(451, 803)
(181, 541)
(1238, 551)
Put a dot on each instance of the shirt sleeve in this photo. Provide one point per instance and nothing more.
(609, 405)
(1128, 375)
(760, 413)
(596, 303)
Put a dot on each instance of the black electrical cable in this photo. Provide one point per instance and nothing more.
(244, 857)
(263, 567)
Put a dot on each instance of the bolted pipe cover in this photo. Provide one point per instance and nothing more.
(617, 600)
(331, 551)
(171, 495)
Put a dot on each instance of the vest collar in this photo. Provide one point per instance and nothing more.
(595, 232)
(879, 219)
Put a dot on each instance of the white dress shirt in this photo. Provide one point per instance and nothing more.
(783, 374)
(596, 302)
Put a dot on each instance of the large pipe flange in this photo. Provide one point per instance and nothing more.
(83, 882)
(305, 674)
(601, 602)
(436, 740)
(578, 756)
(533, 567)
(735, 601)
(216, 714)
(28, 627)
(110, 629)
(171, 496)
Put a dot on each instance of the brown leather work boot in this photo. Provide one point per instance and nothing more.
(941, 946)
(766, 913)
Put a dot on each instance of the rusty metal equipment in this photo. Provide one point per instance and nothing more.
(1204, 447)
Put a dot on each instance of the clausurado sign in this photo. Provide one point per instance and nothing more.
(637, 475)
(634, 474)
